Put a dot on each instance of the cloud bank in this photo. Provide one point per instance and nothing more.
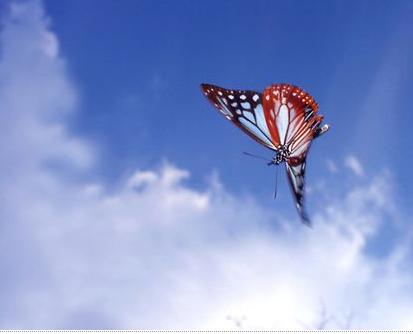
(157, 254)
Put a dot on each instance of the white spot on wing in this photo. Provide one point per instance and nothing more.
(255, 97)
(246, 105)
(242, 97)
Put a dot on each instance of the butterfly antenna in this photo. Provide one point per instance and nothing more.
(255, 156)
(276, 182)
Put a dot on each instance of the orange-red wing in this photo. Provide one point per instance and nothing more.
(301, 141)
(292, 120)
(289, 112)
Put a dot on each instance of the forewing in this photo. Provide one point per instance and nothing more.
(295, 174)
(244, 109)
(291, 115)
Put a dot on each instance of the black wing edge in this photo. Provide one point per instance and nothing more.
(297, 190)
(204, 86)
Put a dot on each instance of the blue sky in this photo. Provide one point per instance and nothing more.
(125, 196)
(139, 66)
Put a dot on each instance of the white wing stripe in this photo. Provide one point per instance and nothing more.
(261, 122)
(255, 130)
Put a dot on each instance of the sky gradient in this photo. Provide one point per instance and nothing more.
(126, 201)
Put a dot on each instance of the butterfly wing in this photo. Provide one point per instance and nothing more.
(244, 109)
(290, 113)
(299, 145)
(292, 119)
(295, 175)
(284, 115)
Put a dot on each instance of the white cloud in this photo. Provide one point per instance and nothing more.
(156, 253)
(354, 165)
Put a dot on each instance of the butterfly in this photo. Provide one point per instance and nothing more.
(283, 118)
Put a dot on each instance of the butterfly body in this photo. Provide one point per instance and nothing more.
(283, 118)
(282, 155)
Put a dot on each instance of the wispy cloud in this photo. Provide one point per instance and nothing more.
(331, 165)
(156, 253)
(354, 165)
